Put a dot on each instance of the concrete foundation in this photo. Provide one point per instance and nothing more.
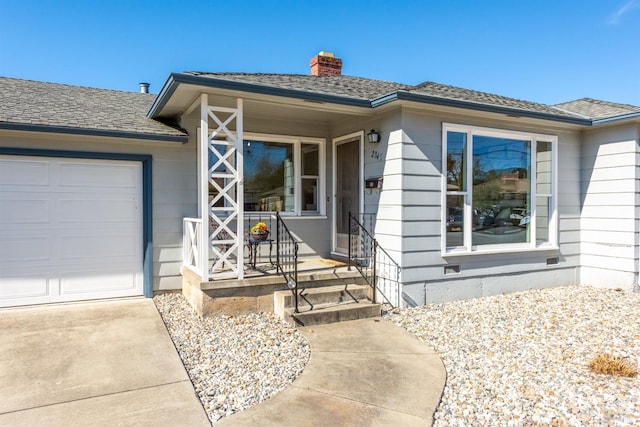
(254, 294)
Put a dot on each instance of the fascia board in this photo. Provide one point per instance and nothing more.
(169, 87)
(629, 116)
(92, 132)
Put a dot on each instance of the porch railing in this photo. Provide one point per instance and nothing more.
(192, 227)
(287, 257)
(375, 264)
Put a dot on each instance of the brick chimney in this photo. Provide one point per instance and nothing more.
(325, 64)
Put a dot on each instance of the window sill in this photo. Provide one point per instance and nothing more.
(305, 217)
(285, 215)
(500, 251)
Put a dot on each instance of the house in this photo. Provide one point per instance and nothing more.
(106, 193)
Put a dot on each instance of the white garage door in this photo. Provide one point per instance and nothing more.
(70, 229)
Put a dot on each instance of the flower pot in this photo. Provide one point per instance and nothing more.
(259, 237)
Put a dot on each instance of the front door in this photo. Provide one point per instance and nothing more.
(347, 189)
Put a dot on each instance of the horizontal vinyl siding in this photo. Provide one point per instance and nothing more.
(174, 198)
(455, 288)
(606, 229)
(422, 201)
(609, 217)
(423, 265)
(604, 237)
(390, 226)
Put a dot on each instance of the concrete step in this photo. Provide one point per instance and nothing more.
(311, 297)
(327, 304)
(332, 313)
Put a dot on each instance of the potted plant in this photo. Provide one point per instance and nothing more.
(259, 232)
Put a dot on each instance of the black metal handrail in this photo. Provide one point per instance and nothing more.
(374, 263)
(287, 257)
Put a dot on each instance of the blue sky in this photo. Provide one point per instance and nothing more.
(544, 51)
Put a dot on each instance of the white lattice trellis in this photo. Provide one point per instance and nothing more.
(221, 168)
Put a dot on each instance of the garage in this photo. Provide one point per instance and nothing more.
(70, 229)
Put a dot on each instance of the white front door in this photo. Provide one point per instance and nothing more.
(70, 229)
(347, 188)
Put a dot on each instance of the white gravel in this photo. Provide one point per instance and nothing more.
(522, 359)
(234, 362)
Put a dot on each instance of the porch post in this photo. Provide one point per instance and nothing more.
(203, 179)
(240, 187)
(223, 214)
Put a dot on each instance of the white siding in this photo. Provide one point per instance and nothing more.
(412, 195)
(610, 211)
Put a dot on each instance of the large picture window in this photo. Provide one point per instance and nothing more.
(283, 174)
(499, 189)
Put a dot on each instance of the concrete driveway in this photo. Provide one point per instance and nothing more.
(92, 363)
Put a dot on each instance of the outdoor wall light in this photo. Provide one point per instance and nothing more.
(373, 137)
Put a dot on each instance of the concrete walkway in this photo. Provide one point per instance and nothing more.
(107, 363)
(361, 373)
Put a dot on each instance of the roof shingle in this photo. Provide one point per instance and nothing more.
(27, 102)
(341, 85)
(461, 94)
(369, 89)
(596, 109)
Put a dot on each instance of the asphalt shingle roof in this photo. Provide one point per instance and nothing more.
(596, 109)
(354, 87)
(27, 102)
(60, 106)
(369, 89)
(461, 94)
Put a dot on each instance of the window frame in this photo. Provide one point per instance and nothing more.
(467, 248)
(297, 142)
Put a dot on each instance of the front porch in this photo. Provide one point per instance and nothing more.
(275, 279)
(301, 188)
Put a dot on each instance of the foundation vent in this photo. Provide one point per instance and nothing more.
(451, 269)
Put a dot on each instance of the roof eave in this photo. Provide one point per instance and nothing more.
(169, 87)
(28, 127)
(447, 102)
(175, 79)
(622, 117)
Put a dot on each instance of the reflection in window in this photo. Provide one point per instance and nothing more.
(501, 170)
(310, 158)
(456, 149)
(455, 220)
(273, 182)
(492, 199)
(456, 187)
(268, 176)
